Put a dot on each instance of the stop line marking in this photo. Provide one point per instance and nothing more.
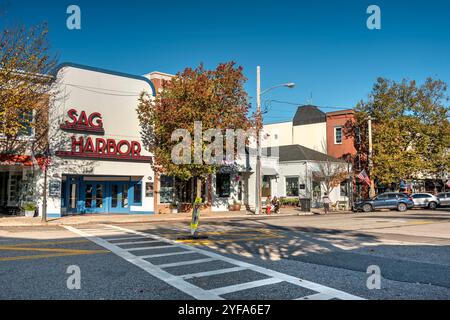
(180, 282)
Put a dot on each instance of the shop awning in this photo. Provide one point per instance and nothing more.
(15, 160)
(269, 171)
(20, 160)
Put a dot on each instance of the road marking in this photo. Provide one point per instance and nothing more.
(135, 242)
(316, 297)
(46, 243)
(212, 273)
(129, 238)
(245, 286)
(55, 255)
(6, 248)
(155, 271)
(165, 254)
(197, 292)
(149, 248)
(185, 263)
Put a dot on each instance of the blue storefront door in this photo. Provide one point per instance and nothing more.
(81, 196)
(119, 197)
(94, 197)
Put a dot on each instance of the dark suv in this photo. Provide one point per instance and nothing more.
(390, 200)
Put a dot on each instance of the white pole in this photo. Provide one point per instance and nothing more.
(372, 183)
(258, 142)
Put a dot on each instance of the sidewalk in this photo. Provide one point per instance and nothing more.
(8, 221)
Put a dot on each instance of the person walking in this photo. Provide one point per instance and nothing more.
(326, 202)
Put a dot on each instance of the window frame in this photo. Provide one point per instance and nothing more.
(297, 178)
(219, 191)
(336, 128)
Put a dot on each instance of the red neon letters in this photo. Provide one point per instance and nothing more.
(84, 123)
(101, 149)
(106, 147)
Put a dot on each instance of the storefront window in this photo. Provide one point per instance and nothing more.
(125, 196)
(114, 195)
(99, 196)
(137, 194)
(73, 194)
(88, 197)
(166, 190)
(223, 185)
(344, 189)
(292, 188)
(265, 189)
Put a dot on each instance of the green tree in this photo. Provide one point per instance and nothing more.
(25, 89)
(215, 97)
(411, 130)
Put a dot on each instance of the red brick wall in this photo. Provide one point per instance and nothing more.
(335, 119)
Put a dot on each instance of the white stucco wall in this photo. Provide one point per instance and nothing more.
(116, 98)
(313, 136)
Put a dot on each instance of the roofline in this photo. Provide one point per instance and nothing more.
(341, 112)
(100, 70)
(162, 73)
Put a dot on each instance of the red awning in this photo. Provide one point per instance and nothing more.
(15, 160)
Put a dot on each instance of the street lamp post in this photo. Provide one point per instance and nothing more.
(259, 124)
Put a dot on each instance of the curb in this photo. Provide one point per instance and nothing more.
(139, 221)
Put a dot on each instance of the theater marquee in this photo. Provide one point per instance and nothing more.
(98, 148)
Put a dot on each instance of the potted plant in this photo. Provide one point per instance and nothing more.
(173, 207)
(30, 209)
(236, 206)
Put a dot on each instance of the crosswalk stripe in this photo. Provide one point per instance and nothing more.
(135, 242)
(165, 254)
(150, 248)
(316, 297)
(185, 263)
(180, 282)
(245, 286)
(212, 273)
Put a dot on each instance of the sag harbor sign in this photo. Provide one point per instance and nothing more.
(97, 148)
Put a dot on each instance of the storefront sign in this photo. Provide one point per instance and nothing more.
(54, 188)
(102, 149)
(92, 123)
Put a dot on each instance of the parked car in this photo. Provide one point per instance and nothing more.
(390, 200)
(444, 199)
(425, 200)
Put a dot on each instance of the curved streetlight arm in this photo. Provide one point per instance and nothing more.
(289, 85)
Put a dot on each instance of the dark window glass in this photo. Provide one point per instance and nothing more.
(137, 196)
(125, 196)
(223, 185)
(266, 186)
(114, 195)
(166, 189)
(344, 191)
(292, 187)
(63, 194)
(99, 196)
(338, 135)
(88, 197)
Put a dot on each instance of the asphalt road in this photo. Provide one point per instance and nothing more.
(323, 257)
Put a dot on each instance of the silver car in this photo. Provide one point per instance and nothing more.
(444, 198)
(425, 200)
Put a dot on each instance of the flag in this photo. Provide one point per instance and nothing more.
(364, 177)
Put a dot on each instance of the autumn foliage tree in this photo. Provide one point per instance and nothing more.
(215, 97)
(411, 130)
(25, 89)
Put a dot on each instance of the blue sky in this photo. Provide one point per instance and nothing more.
(323, 46)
